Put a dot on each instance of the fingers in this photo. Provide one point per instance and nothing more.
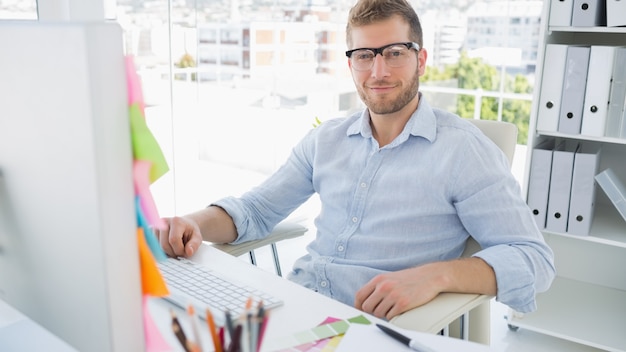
(377, 305)
(374, 298)
(191, 245)
(386, 297)
(179, 237)
(162, 236)
(164, 240)
(363, 294)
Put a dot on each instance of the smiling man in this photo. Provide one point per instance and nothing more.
(402, 187)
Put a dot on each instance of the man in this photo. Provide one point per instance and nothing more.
(401, 185)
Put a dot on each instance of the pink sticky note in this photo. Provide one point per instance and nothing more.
(135, 95)
(154, 340)
(141, 171)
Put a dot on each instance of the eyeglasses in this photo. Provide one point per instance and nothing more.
(395, 55)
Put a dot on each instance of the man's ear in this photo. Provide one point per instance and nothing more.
(422, 55)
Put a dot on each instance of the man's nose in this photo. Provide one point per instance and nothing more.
(379, 67)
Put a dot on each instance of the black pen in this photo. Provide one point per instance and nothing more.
(229, 325)
(235, 344)
(260, 325)
(178, 331)
(412, 343)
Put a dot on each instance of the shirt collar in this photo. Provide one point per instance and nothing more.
(422, 123)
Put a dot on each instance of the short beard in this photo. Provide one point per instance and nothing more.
(383, 108)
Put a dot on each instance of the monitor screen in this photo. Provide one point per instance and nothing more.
(68, 247)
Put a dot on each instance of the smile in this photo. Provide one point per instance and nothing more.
(381, 89)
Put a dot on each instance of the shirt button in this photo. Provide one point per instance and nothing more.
(363, 185)
(340, 248)
(323, 283)
(355, 219)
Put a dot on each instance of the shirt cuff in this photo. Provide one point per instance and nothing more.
(515, 282)
(232, 206)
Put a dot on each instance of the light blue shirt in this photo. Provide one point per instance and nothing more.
(413, 201)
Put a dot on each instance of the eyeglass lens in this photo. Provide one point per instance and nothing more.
(394, 56)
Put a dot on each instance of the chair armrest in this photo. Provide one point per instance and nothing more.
(282, 231)
(435, 315)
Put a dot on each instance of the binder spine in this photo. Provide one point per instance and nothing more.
(614, 189)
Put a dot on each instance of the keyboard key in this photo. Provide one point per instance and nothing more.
(193, 283)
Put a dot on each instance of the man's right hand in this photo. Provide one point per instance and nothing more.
(180, 237)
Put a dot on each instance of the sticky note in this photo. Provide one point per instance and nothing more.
(145, 146)
(154, 340)
(152, 282)
(151, 239)
(141, 169)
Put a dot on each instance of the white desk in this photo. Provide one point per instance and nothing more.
(18, 333)
(303, 309)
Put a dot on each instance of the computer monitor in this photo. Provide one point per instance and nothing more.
(68, 245)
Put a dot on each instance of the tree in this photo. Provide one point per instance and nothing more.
(184, 62)
(473, 73)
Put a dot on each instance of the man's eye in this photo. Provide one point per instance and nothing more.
(394, 53)
(363, 55)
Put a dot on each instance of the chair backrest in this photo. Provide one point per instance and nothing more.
(504, 135)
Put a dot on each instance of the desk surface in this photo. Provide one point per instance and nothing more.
(303, 309)
(18, 333)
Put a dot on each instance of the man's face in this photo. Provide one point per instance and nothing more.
(384, 89)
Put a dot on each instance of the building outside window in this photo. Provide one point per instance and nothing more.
(232, 85)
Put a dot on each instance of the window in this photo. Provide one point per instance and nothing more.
(264, 71)
(231, 87)
(18, 9)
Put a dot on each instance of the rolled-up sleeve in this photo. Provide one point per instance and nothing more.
(257, 211)
(496, 216)
(521, 271)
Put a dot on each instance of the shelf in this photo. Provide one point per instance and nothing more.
(588, 29)
(587, 301)
(580, 312)
(608, 228)
(611, 140)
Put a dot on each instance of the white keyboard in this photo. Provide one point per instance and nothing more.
(195, 284)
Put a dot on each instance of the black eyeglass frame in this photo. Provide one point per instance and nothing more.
(409, 45)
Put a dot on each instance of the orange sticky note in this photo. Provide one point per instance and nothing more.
(152, 282)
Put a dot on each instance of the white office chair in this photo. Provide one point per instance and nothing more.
(454, 313)
(283, 231)
(450, 313)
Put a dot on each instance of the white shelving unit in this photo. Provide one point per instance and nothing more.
(587, 301)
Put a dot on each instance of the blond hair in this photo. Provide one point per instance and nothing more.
(371, 11)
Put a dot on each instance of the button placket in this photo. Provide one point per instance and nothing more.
(359, 200)
(322, 281)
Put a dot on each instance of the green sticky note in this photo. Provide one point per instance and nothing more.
(145, 146)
